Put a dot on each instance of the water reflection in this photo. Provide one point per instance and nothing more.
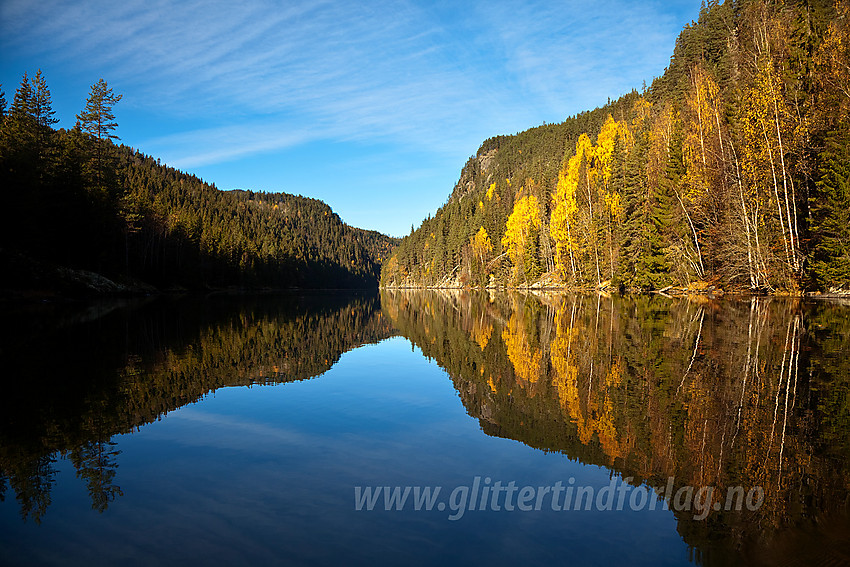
(746, 393)
(750, 393)
(78, 375)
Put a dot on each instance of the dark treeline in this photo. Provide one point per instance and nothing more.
(79, 377)
(730, 170)
(75, 198)
(712, 393)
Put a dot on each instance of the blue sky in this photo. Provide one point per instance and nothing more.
(372, 107)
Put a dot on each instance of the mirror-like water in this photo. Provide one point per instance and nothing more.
(312, 430)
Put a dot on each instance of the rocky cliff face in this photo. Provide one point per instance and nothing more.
(477, 168)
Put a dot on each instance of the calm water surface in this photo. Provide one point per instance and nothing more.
(240, 431)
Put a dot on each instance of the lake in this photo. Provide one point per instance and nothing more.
(426, 427)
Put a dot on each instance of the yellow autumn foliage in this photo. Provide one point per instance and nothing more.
(526, 359)
(522, 223)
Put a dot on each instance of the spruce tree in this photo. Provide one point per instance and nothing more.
(28, 162)
(43, 117)
(19, 127)
(831, 213)
(618, 187)
(42, 109)
(635, 212)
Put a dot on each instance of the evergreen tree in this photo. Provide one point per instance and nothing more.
(618, 187)
(42, 109)
(44, 118)
(831, 212)
(28, 163)
(635, 210)
(97, 119)
(19, 126)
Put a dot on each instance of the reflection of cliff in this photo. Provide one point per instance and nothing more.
(73, 390)
(751, 393)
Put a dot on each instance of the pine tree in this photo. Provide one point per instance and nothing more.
(97, 119)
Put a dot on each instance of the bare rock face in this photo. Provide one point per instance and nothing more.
(476, 167)
(485, 160)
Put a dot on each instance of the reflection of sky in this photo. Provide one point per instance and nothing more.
(265, 475)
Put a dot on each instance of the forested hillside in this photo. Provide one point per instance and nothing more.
(75, 198)
(731, 170)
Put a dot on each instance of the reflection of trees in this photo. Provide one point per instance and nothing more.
(745, 393)
(96, 463)
(78, 386)
(32, 484)
(522, 351)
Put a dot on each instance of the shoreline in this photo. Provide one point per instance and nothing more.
(710, 292)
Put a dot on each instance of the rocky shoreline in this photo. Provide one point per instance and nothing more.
(699, 289)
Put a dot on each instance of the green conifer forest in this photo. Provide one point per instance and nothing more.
(76, 200)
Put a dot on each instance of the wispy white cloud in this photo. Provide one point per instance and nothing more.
(384, 69)
(195, 148)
